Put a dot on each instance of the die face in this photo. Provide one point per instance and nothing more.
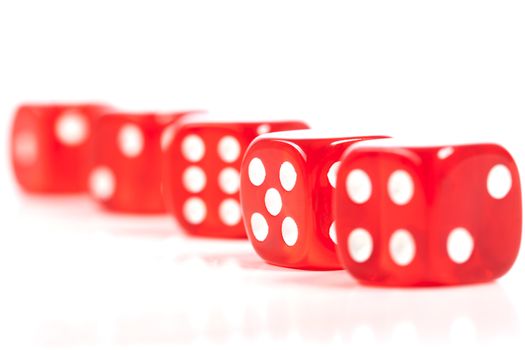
(126, 175)
(275, 202)
(51, 146)
(425, 216)
(380, 213)
(201, 174)
(301, 170)
(202, 181)
(476, 218)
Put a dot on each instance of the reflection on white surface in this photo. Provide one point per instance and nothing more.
(75, 276)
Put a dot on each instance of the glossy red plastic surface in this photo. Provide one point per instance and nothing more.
(201, 174)
(51, 146)
(126, 175)
(287, 181)
(428, 215)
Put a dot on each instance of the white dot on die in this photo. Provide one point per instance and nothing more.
(332, 233)
(130, 140)
(287, 176)
(400, 187)
(229, 180)
(229, 149)
(332, 173)
(256, 172)
(460, 245)
(194, 210)
(360, 245)
(358, 186)
(102, 183)
(194, 179)
(259, 227)
(25, 148)
(499, 181)
(193, 148)
(273, 201)
(263, 129)
(71, 128)
(402, 247)
(289, 231)
(230, 212)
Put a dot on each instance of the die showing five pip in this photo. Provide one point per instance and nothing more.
(51, 146)
(126, 174)
(201, 173)
(287, 180)
(427, 215)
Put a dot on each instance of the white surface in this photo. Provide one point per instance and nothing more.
(75, 277)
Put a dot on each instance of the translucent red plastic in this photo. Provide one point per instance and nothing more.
(51, 146)
(201, 174)
(287, 181)
(417, 216)
(127, 170)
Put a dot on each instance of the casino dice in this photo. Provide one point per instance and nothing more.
(51, 146)
(287, 181)
(126, 175)
(201, 173)
(439, 215)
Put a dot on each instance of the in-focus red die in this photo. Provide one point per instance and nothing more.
(51, 146)
(127, 170)
(427, 215)
(201, 173)
(287, 180)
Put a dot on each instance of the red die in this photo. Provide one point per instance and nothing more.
(51, 146)
(201, 174)
(427, 215)
(127, 172)
(286, 194)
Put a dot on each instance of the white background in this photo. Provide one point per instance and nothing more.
(72, 276)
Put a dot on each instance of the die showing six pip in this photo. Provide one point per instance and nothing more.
(201, 172)
(404, 215)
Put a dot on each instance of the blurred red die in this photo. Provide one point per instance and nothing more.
(51, 146)
(201, 174)
(126, 175)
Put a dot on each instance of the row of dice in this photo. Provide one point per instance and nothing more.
(395, 214)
